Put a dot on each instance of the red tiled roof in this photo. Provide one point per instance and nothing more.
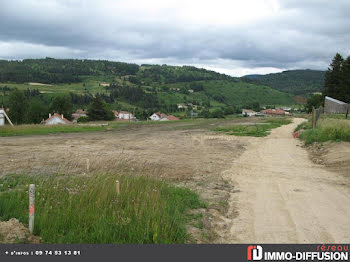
(59, 116)
(171, 117)
(277, 111)
(80, 111)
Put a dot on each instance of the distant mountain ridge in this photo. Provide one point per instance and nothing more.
(296, 82)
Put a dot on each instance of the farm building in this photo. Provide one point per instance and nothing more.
(57, 119)
(334, 106)
(248, 112)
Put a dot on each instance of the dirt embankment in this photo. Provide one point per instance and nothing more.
(334, 156)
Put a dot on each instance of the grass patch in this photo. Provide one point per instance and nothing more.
(21, 130)
(86, 209)
(258, 129)
(328, 129)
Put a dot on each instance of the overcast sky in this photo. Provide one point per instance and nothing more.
(229, 36)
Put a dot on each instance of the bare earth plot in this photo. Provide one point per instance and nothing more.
(186, 154)
(258, 189)
(283, 196)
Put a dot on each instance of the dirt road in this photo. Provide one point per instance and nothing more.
(282, 197)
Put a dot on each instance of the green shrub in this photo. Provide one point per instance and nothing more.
(83, 119)
(327, 129)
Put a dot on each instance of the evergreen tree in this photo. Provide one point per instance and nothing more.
(62, 105)
(37, 111)
(314, 101)
(333, 78)
(18, 105)
(346, 80)
(99, 111)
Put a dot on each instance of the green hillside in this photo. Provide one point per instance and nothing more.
(297, 82)
(144, 89)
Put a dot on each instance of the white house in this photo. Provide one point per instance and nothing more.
(155, 116)
(162, 117)
(125, 115)
(57, 119)
(248, 112)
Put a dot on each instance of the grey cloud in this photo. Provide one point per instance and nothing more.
(303, 34)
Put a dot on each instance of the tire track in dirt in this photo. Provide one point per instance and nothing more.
(282, 197)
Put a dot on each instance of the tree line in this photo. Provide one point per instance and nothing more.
(337, 79)
(336, 83)
(54, 71)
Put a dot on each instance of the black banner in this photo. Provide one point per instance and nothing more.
(179, 253)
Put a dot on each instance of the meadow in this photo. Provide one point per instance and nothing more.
(87, 209)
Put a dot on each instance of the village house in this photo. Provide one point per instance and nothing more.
(124, 115)
(248, 112)
(162, 117)
(57, 119)
(155, 116)
(78, 113)
(335, 106)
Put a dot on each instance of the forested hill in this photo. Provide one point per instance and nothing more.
(297, 82)
(55, 71)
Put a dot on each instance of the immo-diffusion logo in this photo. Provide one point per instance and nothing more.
(325, 252)
(255, 253)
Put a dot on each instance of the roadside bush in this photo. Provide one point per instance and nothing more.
(326, 130)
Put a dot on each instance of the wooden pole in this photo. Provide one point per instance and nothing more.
(313, 118)
(87, 165)
(117, 187)
(31, 207)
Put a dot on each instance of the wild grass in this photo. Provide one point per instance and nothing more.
(260, 129)
(327, 129)
(86, 209)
